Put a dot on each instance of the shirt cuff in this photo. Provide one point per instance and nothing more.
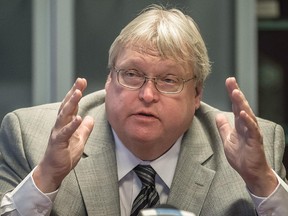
(38, 204)
(275, 203)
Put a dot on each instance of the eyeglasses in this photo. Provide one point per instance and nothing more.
(133, 79)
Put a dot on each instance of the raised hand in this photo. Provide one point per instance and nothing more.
(243, 144)
(66, 142)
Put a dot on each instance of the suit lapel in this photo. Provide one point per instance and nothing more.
(96, 172)
(192, 179)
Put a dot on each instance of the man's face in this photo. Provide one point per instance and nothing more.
(146, 121)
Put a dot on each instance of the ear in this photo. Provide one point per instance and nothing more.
(108, 81)
(198, 95)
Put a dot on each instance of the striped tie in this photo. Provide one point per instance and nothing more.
(148, 196)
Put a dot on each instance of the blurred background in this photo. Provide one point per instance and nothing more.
(46, 44)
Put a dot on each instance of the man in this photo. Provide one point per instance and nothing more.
(150, 114)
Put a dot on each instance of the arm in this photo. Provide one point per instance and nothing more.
(15, 165)
(64, 150)
(244, 150)
(39, 204)
(66, 142)
(243, 144)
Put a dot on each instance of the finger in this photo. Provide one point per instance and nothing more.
(79, 84)
(235, 94)
(65, 133)
(85, 128)
(231, 85)
(252, 128)
(223, 126)
(69, 110)
(238, 99)
(240, 104)
(77, 129)
(80, 136)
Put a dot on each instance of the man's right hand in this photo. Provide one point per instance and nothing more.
(66, 142)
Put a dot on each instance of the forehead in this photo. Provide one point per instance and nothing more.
(147, 60)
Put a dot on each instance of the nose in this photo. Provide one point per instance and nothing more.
(148, 91)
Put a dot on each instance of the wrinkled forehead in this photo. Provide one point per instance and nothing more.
(150, 50)
(145, 49)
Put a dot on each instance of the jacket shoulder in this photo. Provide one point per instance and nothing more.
(208, 110)
(48, 112)
(91, 101)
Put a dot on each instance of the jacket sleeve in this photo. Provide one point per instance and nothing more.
(278, 152)
(14, 166)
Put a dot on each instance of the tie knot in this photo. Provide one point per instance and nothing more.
(146, 174)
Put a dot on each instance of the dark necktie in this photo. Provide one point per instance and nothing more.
(148, 196)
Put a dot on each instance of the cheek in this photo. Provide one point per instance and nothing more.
(188, 106)
(117, 103)
(114, 111)
(178, 115)
(186, 112)
(112, 102)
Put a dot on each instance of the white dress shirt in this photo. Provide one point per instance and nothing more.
(130, 184)
(15, 203)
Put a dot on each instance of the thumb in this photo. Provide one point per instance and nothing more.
(223, 126)
(86, 127)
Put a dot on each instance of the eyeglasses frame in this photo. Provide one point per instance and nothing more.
(154, 80)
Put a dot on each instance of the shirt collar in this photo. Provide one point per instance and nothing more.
(126, 161)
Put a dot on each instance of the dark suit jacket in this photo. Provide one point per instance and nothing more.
(204, 182)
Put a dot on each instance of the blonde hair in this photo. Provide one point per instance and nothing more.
(170, 33)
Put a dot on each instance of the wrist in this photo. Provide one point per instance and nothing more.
(262, 185)
(44, 181)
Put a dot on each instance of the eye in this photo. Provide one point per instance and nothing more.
(170, 80)
(131, 74)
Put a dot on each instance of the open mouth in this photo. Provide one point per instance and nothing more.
(146, 114)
